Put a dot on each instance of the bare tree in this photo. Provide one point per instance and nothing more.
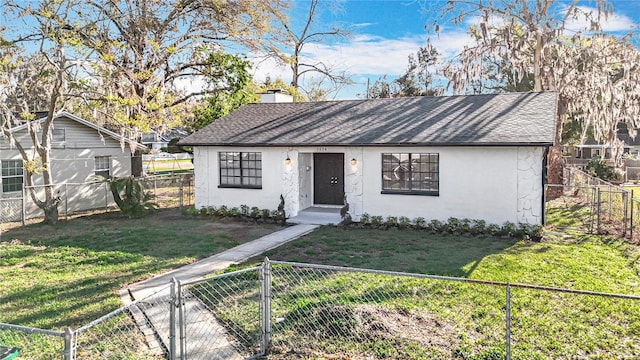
(286, 45)
(36, 81)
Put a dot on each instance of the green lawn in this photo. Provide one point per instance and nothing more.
(69, 274)
(425, 318)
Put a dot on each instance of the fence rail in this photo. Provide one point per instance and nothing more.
(291, 310)
(592, 205)
(78, 198)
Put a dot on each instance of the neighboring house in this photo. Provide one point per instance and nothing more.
(580, 154)
(158, 141)
(81, 152)
(475, 157)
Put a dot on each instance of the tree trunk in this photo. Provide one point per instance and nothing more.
(555, 164)
(51, 213)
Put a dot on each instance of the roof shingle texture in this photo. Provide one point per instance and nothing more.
(497, 119)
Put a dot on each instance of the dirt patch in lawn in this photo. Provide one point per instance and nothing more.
(362, 331)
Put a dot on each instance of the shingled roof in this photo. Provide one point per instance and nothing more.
(497, 119)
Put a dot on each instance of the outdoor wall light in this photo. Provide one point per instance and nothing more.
(287, 161)
(354, 162)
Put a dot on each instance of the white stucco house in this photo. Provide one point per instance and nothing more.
(475, 157)
(80, 152)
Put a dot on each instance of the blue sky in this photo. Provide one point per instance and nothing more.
(384, 33)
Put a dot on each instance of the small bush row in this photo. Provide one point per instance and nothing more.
(243, 212)
(453, 226)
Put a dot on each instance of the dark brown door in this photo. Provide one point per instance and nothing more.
(328, 178)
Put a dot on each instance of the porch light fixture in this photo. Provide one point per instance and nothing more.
(287, 161)
(354, 162)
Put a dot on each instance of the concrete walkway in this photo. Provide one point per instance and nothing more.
(222, 260)
(201, 333)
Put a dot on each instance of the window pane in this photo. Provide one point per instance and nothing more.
(12, 175)
(410, 172)
(240, 168)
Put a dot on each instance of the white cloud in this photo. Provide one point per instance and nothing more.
(612, 23)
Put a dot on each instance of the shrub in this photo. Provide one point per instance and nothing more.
(203, 211)
(436, 226)
(244, 210)
(234, 212)
(265, 214)
(493, 229)
(377, 220)
(223, 211)
(255, 213)
(391, 221)
(453, 226)
(478, 227)
(404, 222)
(600, 169)
(465, 226)
(365, 219)
(130, 197)
(419, 223)
(508, 229)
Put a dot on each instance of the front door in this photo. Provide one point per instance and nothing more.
(328, 178)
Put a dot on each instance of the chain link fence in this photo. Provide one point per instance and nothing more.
(592, 205)
(80, 198)
(284, 310)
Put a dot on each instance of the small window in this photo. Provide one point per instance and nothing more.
(12, 175)
(58, 136)
(408, 173)
(103, 167)
(240, 169)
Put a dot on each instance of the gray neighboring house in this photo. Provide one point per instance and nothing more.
(80, 152)
(475, 157)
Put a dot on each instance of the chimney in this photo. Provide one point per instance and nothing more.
(276, 96)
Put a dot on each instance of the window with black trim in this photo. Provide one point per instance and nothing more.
(241, 169)
(103, 167)
(12, 175)
(409, 173)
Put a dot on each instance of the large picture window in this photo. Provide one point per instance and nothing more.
(409, 173)
(241, 169)
(12, 175)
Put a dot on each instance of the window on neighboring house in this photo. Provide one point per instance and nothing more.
(12, 175)
(58, 136)
(103, 166)
(241, 169)
(408, 173)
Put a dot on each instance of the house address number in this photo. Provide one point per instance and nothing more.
(321, 149)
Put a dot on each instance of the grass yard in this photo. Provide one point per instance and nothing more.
(69, 274)
(352, 315)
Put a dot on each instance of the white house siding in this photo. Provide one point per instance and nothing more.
(73, 163)
(496, 184)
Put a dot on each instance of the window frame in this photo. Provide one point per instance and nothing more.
(19, 167)
(60, 133)
(433, 190)
(242, 171)
(97, 171)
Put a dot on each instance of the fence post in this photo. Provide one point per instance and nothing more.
(181, 193)
(182, 323)
(625, 208)
(66, 202)
(24, 206)
(173, 302)
(67, 353)
(266, 305)
(106, 197)
(598, 210)
(508, 321)
(631, 216)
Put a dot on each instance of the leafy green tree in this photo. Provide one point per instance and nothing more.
(230, 76)
(131, 198)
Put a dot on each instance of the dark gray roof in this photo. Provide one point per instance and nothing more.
(497, 119)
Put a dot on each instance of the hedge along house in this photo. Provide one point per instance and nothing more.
(476, 157)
